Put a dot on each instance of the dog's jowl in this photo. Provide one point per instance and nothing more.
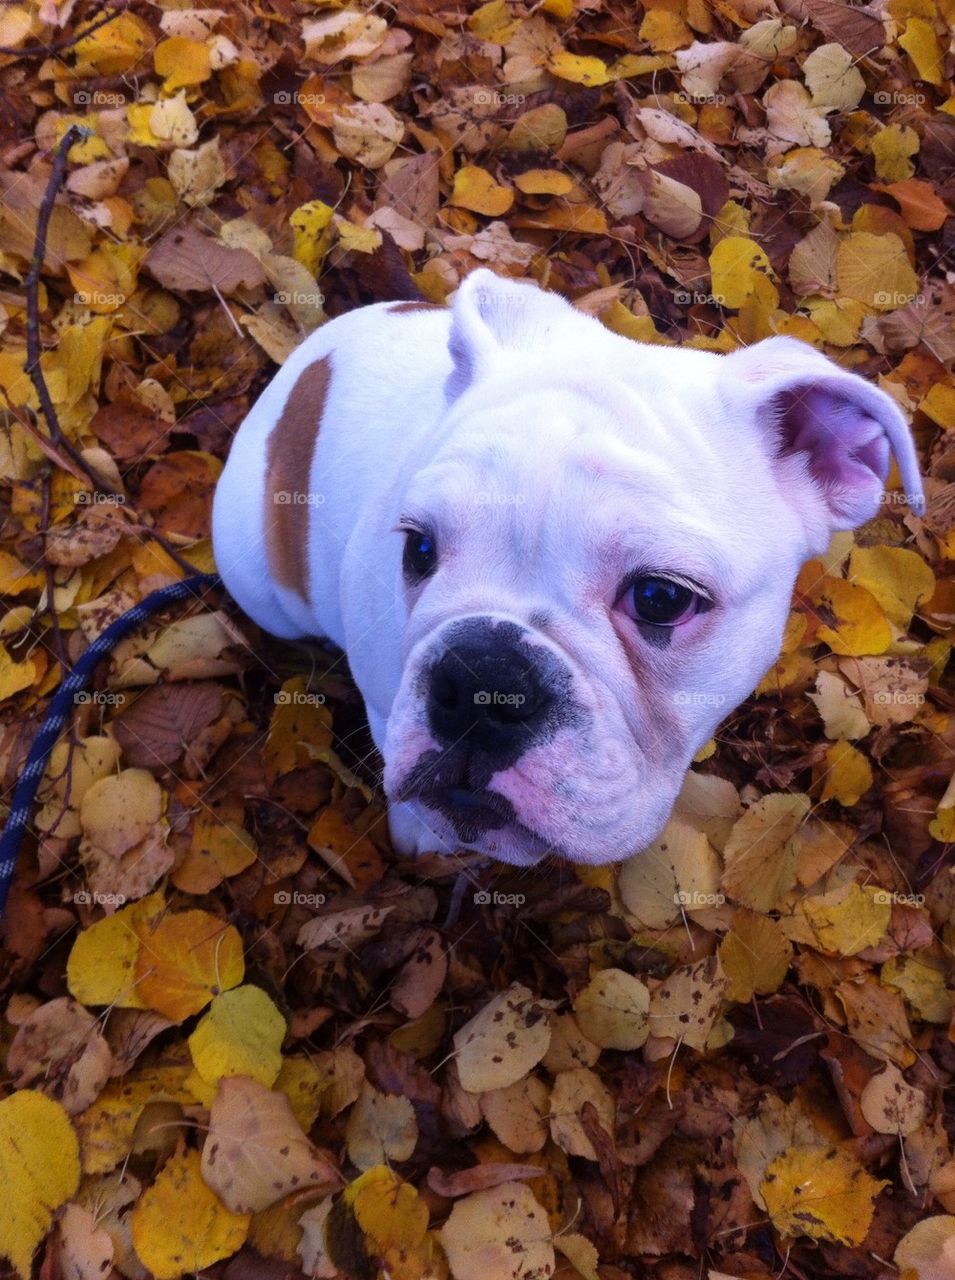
(556, 558)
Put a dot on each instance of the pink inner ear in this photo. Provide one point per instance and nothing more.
(847, 449)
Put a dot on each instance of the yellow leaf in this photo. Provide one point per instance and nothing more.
(219, 848)
(39, 1170)
(875, 270)
(360, 239)
(492, 22)
(665, 31)
(939, 404)
(15, 676)
(833, 78)
(16, 577)
(561, 9)
(921, 979)
(107, 1128)
(735, 266)
(183, 63)
(105, 279)
(685, 1005)
(475, 189)
(853, 624)
(300, 723)
(848, 774)
(113, 48)
(922, 45)
(186, 959)
(62, 790)
(612, 1010)
(899, 579)
(101, 968)
(844, 921)
(754, 955)
(241, 1035)
(544, 182)
(503, 1041)
(179, 1224)
(820, 1192)
(577, 68)
(678, 872)
(891, 148)
(310, 223)
(760, 854)
(388, 1210)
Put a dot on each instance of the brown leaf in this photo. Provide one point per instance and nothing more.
(158, 726)
(185, 260)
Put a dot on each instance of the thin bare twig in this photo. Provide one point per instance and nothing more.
(73, 134)
(57, 441)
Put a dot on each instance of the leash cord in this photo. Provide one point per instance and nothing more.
(58, 713)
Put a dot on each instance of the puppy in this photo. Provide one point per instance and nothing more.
(555, 558)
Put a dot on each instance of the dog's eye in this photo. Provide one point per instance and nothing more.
(420, 555)
(660, 601)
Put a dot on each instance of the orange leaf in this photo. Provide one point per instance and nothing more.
(921, 208)
(186, 959)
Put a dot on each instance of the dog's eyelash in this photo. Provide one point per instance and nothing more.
(690, 586)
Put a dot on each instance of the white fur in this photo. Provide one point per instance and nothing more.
(552, 457)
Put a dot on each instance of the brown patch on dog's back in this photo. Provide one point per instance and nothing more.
(406, 308)
(288, 467)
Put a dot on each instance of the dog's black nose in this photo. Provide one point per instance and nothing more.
(486, 689)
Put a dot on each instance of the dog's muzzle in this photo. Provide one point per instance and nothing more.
(491, 693)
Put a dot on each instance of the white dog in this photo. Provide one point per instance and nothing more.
(555, 558)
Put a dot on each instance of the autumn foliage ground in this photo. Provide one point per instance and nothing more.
(238, 1035)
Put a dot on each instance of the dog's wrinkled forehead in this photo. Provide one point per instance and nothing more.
(567, 479)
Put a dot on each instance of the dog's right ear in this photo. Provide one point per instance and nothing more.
(492, 316)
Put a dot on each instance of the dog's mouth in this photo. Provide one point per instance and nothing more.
(471, 811)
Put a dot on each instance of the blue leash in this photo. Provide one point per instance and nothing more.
(58, 713)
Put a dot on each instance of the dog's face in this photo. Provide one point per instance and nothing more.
(597, 563)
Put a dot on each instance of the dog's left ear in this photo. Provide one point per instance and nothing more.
(492, 316)
(830, 431)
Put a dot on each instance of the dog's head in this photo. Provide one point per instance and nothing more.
(597, 562)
